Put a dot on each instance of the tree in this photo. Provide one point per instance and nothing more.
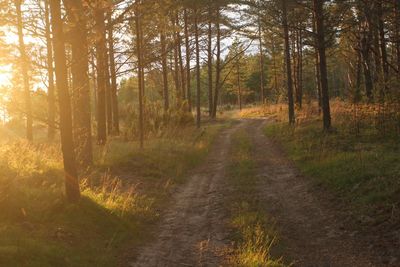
(51, 99)
(80, 82)
(24, 72)
(320, 40)
(198, 78)
(67, 145)
(113, 75)
(288, 62)
(99, 10)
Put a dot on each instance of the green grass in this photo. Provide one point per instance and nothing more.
(254, 234)
(121, 199)
(364, 169)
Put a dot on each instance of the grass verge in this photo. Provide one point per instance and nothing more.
(254, 235)
(120, 203)
(363, 167)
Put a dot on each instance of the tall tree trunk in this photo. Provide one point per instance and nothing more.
(239, 85)
(365, 50)
(51, 98)
(113, 75)
(164, 67)
(293, 36)
(80, 85)
(299, 92)
(316, 66)
(262, 67)
(188, 78)
(67, 144)
(198, 85)
(176, 68)
(140, 74)
(319, 17)
(181, 67)
(24, 72)
(397, 32)
(217, 65)
(383, 51)
(210, 63)
(288, 63)
(109, 107)
(101, 74)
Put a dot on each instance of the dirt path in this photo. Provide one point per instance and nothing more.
(310, 233)
(193, 231)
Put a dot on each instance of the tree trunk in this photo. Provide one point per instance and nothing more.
(109, 107)
(164, 68)
(397, 32)
(383, 52)
(101, 74)
(262, 70)
(299, 92)
(140, 74)
(181, 68)
(24, 72)
(188, 78)
(238, 85)
(176, 69)
(210, 64)
(113, 75)
(319, 17)
(51, 98)
(217, 65)
(288, 64)
(196, 32)
(67, 144)
(80, 84)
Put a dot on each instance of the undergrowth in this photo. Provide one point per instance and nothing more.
(254, 234)
(356, 160)
(121, 198)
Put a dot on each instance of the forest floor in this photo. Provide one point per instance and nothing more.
(198, 228)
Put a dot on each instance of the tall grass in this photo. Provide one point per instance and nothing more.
(121, 198)
(358, 160)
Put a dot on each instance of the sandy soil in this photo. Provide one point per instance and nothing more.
(194, 229)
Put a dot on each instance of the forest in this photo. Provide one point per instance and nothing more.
(199, 133)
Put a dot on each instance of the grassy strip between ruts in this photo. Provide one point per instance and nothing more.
(121, 199)
(361, 168)
(253, 234)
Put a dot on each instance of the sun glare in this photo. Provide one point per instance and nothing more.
(4, 76)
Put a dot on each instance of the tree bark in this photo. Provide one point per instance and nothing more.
(217, 64)
(140, 74)
(164, 68)
(80, 82)
(24, 72)
(288, 64)
(239, 85)
(319, 17)
(109, 107)
(262, 67)
(113, 75)
(188, 76)
(383, 51)
(67, 144)
(210, 64)
(51, 98)
(176, 68)
(101, 74)
(181, 67)
(198, 85)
